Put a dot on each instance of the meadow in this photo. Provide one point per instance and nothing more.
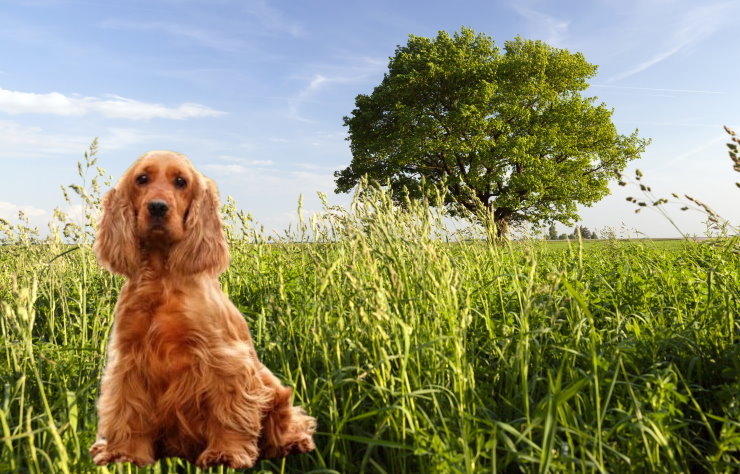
(417, 350)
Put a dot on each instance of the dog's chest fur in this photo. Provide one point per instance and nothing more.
(154, 330)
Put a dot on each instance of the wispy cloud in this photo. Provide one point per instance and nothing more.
(18, 140)
(121, 138)
(650, 62)
(316, 83)
(208, 39)
(55, 103)
(694, 26)
(275, 189)
(550, 29)
(700, 151)
(256, 18)
(302, 176)
(21, 141)
(358, 70)
(271, 19)
(657, 89)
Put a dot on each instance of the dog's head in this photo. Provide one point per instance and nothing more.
(162, 203)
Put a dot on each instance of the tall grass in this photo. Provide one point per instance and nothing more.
(416, 352)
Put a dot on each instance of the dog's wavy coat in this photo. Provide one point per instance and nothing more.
(182, 377)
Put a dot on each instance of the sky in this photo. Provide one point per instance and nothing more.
(254, 91)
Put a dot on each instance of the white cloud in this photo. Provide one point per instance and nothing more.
(41, 219)
(120, 138)
(227, 169)
(54, 103)
(75, 213)
(236, 159)
(270, 191)
(307, 178)
(9, 211)
(21, 141)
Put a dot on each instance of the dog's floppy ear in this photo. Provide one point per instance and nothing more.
(115, 243)
(203, 248)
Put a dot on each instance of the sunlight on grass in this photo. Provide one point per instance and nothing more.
(416, 349)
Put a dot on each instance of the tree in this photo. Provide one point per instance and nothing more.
(552, 232)
(508, 133)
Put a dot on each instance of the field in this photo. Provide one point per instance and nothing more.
(655, 244)
(417, 353)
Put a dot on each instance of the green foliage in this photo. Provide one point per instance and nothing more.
(509, 132)
(418, 350)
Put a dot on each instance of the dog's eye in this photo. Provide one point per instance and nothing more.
(142, 179)
(180, 182)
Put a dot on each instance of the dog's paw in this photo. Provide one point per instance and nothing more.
(98, 447)
(234, 459)
(302, 444)
(291, 434)
(305, 427)
(102, 456)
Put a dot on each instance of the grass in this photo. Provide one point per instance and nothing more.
(665, 244)
(415, 353)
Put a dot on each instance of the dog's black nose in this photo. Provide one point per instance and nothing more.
(157, 208)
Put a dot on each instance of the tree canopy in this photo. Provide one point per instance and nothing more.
(506, 132)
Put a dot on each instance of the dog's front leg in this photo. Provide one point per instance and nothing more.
(232, 431)
(237, 400)
(124, 419)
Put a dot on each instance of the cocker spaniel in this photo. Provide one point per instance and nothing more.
(182, 376)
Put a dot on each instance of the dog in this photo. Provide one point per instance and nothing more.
(182, 377)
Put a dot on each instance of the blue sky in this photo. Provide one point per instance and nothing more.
(254, 91)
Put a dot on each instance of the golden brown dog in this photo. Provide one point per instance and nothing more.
(182, 378)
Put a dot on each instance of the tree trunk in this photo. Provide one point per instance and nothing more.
(502, 217)
(497, 225)
(502, 227)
